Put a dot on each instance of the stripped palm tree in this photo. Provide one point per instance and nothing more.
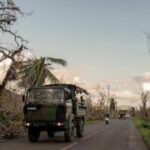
(35, 72)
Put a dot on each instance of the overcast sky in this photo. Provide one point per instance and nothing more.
(100, 39)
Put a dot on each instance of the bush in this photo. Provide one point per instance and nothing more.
(95, 114)
(144, 128)
(145, 124)
(11, 115)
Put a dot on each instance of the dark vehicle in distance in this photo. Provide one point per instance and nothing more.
(122, 114)
(54, 108)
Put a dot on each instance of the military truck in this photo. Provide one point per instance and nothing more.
(54, 108)
(122, 114)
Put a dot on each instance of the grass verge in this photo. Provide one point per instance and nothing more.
(92, 122)
(144, 128)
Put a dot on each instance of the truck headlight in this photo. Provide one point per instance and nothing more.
(60, 124)
(27, 124)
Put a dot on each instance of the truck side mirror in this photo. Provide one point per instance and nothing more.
(23, 98)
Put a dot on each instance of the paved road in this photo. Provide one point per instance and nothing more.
(119, 135)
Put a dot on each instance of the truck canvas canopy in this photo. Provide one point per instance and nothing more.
(69, 86)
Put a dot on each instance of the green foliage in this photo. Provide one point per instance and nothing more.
(144, 128)
(145, 124)
(92, 122)
(34, 73)
(57, 61)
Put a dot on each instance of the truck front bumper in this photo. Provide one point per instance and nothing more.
(58, 126)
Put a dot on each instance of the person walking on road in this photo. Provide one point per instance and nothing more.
(107, 118)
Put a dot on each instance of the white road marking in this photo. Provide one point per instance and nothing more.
(96, 132)
(105, 128)
(69, 146)
(100, 129)
(87, 137)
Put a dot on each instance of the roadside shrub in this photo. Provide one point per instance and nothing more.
(11, 115)
(94, 114)
(145, 124)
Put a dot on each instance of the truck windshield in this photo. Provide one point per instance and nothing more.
(46, 95)
(122, 112)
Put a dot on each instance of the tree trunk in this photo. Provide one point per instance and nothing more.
(5, 80)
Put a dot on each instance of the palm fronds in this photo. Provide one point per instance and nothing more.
(57, 61)
(35, 72)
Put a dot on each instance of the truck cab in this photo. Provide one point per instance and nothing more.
(54, 108)
(122, 114)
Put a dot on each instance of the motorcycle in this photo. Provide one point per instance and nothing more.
(107, 121)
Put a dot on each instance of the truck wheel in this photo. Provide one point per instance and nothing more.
(69, 135)
(50, 134)
(80, 129)
(33, 134)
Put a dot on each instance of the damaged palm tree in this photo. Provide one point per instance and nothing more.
(35, 72)
(13, 67)
(32, 71)
(12, 46)
(8, 17)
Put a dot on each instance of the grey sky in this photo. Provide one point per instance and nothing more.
(103, 41)
(103, 34)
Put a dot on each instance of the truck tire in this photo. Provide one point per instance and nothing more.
(80, 129)
(33, 134)
(50, 134)
(69, 135)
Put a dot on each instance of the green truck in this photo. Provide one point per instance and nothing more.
(53, 108)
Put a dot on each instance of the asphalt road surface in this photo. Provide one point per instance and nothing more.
(118, 135)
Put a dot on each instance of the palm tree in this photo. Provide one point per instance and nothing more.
(35, 72)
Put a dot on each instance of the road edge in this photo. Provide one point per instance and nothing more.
(93, 122)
